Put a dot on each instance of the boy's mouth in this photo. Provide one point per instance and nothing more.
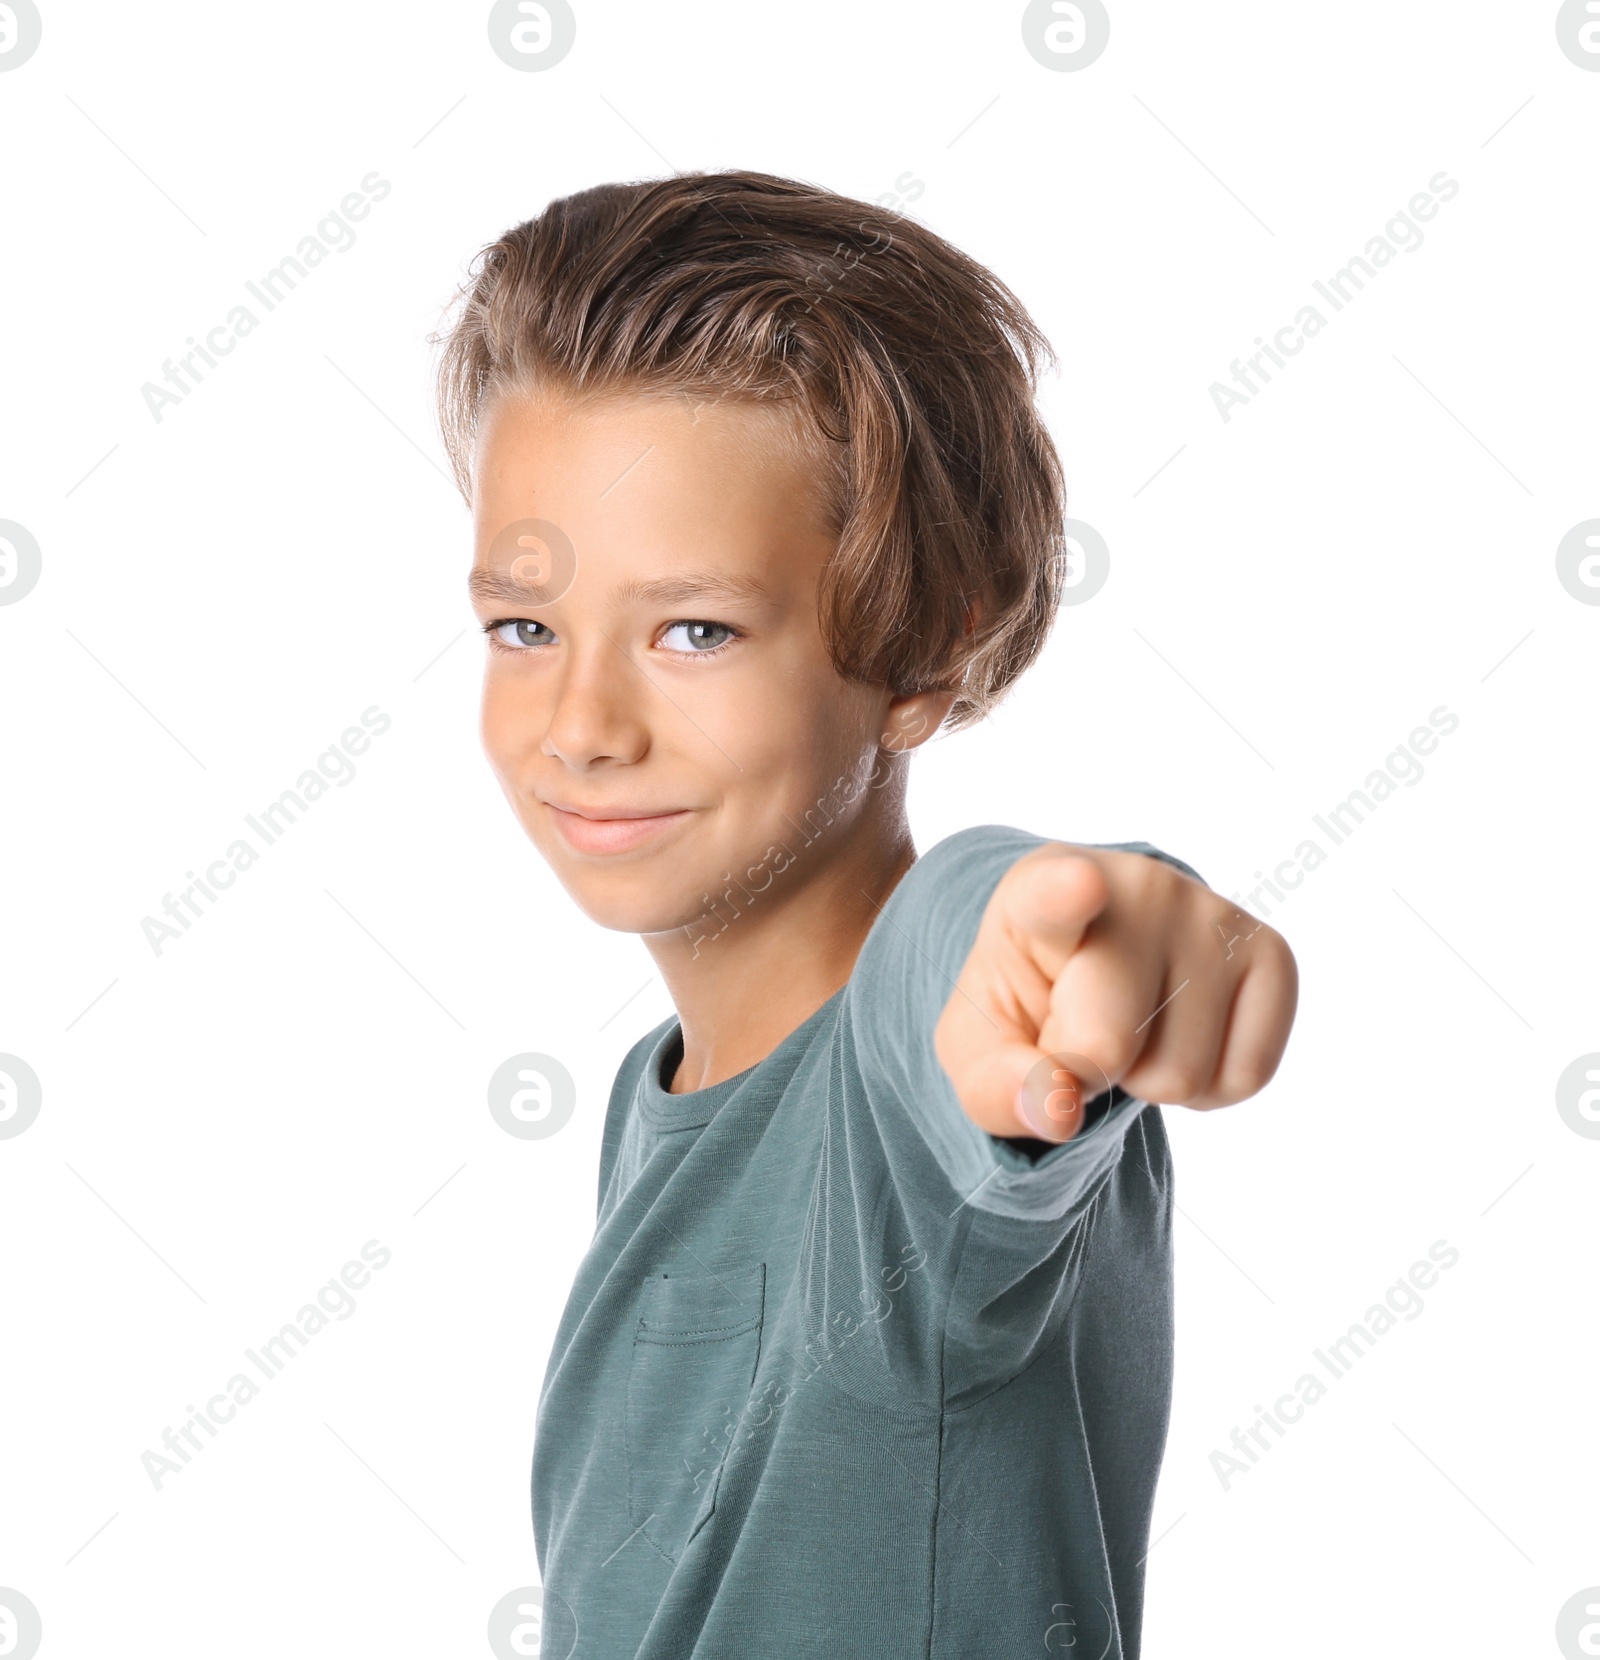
(609, 829)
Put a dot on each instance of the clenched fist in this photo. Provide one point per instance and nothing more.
(1093, 968)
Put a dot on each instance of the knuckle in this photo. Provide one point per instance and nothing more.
(1149, 876)
(1109, 1057)
(1282, 955)
(1171, 1082)
(1253, 1076)
(1092, 1064)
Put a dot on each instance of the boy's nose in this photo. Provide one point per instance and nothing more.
(597, 713)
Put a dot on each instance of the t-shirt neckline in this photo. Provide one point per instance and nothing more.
(697, 1107)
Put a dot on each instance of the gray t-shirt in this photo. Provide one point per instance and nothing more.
(844, 1375)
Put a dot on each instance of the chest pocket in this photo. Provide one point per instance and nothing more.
(695, 1347)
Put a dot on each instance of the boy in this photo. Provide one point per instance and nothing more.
(871, 1351)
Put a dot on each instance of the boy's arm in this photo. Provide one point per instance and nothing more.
(1094, 967)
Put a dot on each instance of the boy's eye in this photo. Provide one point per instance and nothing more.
(519, 633)
(696, 637)
(691, 639)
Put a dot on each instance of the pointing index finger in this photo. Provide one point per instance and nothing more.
(1056, 892)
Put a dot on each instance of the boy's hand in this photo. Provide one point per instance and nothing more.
(1093, 968)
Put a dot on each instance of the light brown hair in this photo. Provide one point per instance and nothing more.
(915, 365)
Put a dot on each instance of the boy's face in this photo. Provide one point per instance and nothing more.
(658, 703)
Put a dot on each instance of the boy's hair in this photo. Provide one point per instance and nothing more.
(915, 364)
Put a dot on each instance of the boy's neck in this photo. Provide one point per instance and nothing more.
(747, 978)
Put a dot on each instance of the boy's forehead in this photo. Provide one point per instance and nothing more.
(658, 471)
(541, 439)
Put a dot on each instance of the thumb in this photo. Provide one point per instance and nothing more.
(1017, 1089)
(1054, 1091)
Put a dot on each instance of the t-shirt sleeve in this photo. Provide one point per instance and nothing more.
(903, 978)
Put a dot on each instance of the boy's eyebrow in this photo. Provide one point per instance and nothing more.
(666, 590)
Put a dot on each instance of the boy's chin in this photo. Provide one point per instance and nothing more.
(644, 910)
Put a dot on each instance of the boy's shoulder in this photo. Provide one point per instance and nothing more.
(981, 843)
(1006, 837)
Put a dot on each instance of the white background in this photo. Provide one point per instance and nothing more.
(1291, 592)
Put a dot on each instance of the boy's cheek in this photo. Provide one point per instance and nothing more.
(504, 726)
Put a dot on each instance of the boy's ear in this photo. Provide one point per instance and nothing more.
(913, 720)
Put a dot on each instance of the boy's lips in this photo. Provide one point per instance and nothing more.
(610, 829)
